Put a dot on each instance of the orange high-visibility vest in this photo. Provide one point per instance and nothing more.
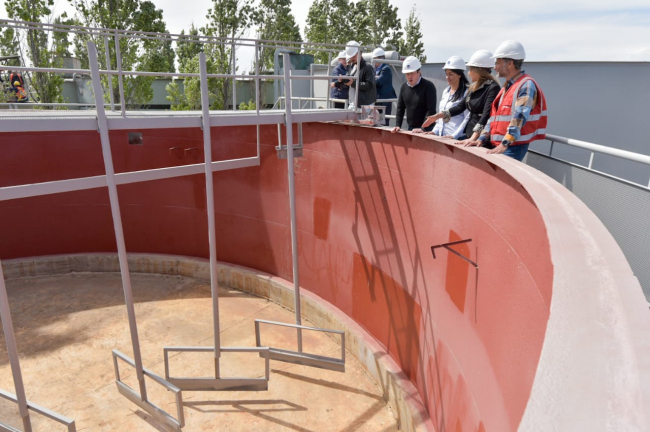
(503, 108)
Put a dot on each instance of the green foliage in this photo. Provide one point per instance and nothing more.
(329, 21)
(375, 23)
(411, 44)
(247, 106)
(275, 22)
(188, 47)
(153, 55)
(36, 47)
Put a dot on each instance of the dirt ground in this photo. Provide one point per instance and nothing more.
(66, 327)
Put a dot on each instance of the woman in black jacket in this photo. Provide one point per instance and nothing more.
(478, 101)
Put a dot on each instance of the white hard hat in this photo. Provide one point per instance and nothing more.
(482, 59)
(510, 49)
(341, 55)
(455, 62)
(378, 52)
(411, 64)
(351, 49)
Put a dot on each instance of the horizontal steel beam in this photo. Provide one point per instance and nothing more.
(6, 428)
(40, 410)
(300, 357)
(220, 383)
(60, 186)
(304, 359)
(155, 411)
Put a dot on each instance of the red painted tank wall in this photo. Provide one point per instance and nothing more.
(370, 206)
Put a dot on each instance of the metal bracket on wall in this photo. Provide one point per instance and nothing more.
(446, 246)
(282, 149)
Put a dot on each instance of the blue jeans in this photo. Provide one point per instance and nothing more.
(517, 151)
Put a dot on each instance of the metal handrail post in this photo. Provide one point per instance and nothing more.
(120, 78)
(12, 351)
(209, 191)
(292, 195)
(329, 84)
(356, 92)
(117, 217)
(257, 81)
(234, 80)
(108, 67)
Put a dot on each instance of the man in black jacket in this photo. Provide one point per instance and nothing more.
(366, 87)
(417, 97)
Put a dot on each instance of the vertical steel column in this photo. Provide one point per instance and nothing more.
(257, 83)
(120, 79)
(292, 194)
(356, 93)
(12, 351)
(329, 84)
(117, 217)
(209, 192)
(234, 80)
(108, 67)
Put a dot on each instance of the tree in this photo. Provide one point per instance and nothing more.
(275, 22)
(412, 44)
(375, 23)
(329, 21)
(40, 48)
(188, 47)
(226, 19)
(150, 54)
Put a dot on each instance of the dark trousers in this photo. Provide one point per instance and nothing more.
(388, 110)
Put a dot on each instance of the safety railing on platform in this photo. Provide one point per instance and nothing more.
(621, 205)
(597, 148)
(112, 39)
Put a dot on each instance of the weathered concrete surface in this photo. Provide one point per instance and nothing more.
(67, 324)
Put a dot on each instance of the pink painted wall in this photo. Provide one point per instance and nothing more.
(370, 205)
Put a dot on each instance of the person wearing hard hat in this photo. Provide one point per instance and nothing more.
(417, 97)
(339, 89)
(478, 100)
(366, 86)
(518, 114)
(453, 95)
(383, 81)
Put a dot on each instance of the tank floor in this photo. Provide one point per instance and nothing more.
(66, 327)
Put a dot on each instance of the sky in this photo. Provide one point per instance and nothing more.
(550, 30)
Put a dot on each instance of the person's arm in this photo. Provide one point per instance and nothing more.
(460, 130)
(492, 92)
(526, 101)
(456, 109)
(384, 78)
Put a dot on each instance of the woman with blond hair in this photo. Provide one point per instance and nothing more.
(479, 98)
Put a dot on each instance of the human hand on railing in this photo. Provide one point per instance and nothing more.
(432, 119)
(469, 143)
(447, 136)
(417, 130)
(395, 129)
(497, 150)
(333, 85)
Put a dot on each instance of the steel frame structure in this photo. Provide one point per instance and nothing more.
(103, 122)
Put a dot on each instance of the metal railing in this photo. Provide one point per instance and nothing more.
(597, 148)
(114, 38)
